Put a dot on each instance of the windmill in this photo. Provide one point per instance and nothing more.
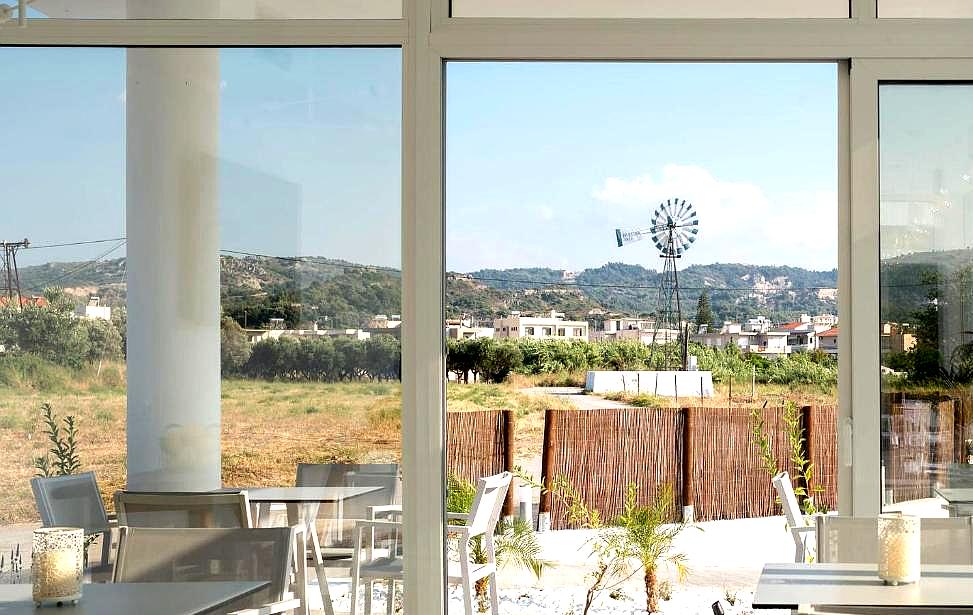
(673, 230)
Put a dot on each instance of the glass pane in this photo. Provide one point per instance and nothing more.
(926, 324)
(216, 9)
(657, 8)
(578, 361)
(211, 285)
(925, 8)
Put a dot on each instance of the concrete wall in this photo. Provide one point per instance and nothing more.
(666, 384)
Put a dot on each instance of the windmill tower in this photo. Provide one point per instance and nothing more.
(673, 230)
(10, 282)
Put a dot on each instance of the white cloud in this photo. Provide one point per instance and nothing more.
(738, 221)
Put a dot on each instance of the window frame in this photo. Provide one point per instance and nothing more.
(863, 45)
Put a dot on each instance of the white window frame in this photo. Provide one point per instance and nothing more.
(429, 37)
(867, 75)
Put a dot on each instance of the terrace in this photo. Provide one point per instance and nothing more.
(249, 186)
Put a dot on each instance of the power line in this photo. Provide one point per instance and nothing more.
(73, 243)
(82, 267)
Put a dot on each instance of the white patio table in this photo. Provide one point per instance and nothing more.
(834, 587)
(295, 498)
(196, 598)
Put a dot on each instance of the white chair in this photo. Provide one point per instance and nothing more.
(75, 501)
(854, 540)
(273, 554)
(480, 522)
(800, 529)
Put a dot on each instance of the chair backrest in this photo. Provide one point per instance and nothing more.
(183, 510)
(488, 504)
(383, 475)
(854, 540)
(70, 501)
(785, 491)
(164, 555)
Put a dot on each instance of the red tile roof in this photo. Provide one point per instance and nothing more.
(832, 332)
(25, 301)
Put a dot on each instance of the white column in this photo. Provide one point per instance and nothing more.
(172, 210)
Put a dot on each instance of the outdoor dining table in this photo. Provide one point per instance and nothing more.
(197, 598)
(296, 498)
(959, 502)
(828, 587)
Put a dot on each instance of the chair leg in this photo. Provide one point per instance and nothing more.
(369, 588)
(494, 595)
(390, 600)
(354, 592)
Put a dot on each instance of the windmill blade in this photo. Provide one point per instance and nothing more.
(632, 235)
(680, 211)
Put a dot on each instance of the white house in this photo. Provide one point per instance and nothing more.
(828, 341)
(93, 310)
(460, 331)
(553, 327)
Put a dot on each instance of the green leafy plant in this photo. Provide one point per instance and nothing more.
(61, 458)
(515, 542)
(649, 535)
(642, 533)
(804, 486)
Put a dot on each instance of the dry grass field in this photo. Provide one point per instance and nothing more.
(268, 427)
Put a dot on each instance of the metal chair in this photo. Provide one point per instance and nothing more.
(74, 501)
(854, 540)
(165, 555)
(481, 523)
(183, 510)
(366, 507)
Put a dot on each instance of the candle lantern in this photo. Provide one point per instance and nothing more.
(899, 547)
(57, 565)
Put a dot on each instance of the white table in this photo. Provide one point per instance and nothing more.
(295, 498)
(131, 598)
(959, 502)
(788, 586)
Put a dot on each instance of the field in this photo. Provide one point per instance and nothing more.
(268, 427)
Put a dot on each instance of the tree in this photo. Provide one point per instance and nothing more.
(104, 341)
(235, 351)
(704, 315)
(498, 359)
(51, 330)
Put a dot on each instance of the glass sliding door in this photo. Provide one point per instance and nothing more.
(926, 293)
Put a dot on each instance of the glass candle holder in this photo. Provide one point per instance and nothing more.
(57, 565)
(899, 547)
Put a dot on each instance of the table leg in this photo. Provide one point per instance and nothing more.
(294, 518)
(263, 514)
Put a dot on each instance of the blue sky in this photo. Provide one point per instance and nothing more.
(544, 160)
(310, 148)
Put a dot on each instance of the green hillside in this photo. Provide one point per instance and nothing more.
(336, 293)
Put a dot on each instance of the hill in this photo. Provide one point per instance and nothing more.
(736, 291)
(338, 293)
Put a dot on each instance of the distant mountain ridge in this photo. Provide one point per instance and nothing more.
(348, 294)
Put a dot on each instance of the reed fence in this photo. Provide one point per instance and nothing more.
(481, 443)
(709, 456)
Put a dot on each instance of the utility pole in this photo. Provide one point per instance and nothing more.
(11, 278)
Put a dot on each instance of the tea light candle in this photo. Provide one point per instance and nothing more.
(899, 548)
(57, 565)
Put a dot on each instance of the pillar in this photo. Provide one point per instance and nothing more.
(172, 220)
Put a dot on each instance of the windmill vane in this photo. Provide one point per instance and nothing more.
(673, 229)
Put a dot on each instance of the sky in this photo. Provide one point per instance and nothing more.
(310, 151)
(543, 160)
(546, 160)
